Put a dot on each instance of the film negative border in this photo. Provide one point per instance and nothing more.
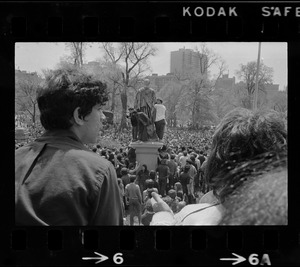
(152, 21)
(179, 246)
(149, 21)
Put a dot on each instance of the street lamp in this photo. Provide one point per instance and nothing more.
(256, 82)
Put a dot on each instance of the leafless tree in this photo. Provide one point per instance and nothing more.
(188, 95)
(171, 94)
(113, 75)
(247, 73)
(77, 50)
(27, 85)
(198, 96)
(133, 57)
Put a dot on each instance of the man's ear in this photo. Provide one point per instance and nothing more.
(78, 119)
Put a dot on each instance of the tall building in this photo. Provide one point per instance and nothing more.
(186, 61)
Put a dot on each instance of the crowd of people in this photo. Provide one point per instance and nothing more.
(112, 137)
(197, 174)
(178, 177)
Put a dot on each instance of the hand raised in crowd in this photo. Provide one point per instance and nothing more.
(163, 213)
(158, 204)
(138, 164)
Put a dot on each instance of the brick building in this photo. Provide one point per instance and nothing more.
(186, 61)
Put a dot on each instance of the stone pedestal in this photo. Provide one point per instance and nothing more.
(147, 153)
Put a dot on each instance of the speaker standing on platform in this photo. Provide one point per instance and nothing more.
(160, 118)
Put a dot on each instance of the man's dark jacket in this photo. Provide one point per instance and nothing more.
(58, 181)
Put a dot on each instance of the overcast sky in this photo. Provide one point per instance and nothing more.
(37, 56)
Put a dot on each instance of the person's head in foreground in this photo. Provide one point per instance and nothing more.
(72, 101)
(241, 136)
(247, 171)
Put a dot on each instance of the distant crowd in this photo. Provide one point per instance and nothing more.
(174, 137)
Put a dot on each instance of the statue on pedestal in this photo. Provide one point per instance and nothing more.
(139, 123)
(144, 105)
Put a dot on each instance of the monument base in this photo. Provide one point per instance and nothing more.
(147, 153)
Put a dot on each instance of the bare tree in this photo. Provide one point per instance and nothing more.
(197, 97)
(113, 76)
(133, 57)
(77, 50)
(247, 73)
(188, 95)
(112, 57)
(27, 85)
(171, 94)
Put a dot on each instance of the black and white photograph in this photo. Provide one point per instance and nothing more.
(151, 133)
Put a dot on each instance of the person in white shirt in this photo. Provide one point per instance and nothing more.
(197, 161)
(160, 119)
(183, 159)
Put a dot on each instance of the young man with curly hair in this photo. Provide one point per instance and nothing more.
(58, 181)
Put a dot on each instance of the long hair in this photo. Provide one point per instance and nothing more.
(240, 136)
(146, 168)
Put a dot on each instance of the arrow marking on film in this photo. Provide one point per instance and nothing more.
(237, 260)
(100, 258)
